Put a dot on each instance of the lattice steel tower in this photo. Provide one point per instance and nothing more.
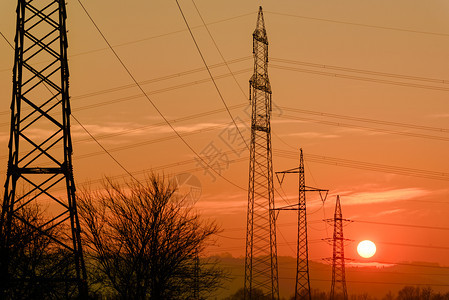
(338, 288)
(261, 268)
(302, 286)
(40, 169)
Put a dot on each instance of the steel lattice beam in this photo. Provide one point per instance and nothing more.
(261, 268)
(40, 147)
(302, 285)
(338, 287)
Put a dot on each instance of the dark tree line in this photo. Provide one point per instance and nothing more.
(406, 293)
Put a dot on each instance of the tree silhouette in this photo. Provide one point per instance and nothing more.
(142, 245)
(38, 266)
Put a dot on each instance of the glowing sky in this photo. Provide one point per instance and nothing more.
(360, 81)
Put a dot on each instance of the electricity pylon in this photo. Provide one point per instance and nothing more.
(302, 286)
(261, 268)
(338, 287)
(40, 147)
(196, 276)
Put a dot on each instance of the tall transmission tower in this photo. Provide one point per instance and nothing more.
(302, 286)
(261, 267)
(40, 147)
(338, 287)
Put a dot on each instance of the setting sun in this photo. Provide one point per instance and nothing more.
(366, 249)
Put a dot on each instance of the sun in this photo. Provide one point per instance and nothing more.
(366, 249)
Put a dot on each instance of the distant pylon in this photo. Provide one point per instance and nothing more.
(302, 286)
(261, 268)
(196, 276)
(40, 125)
(338, 287)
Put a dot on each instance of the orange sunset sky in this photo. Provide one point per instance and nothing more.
(361, 86)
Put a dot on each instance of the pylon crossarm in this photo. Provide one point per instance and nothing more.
(293, 170)
(314, 189)
(332, 220)
(280, 181)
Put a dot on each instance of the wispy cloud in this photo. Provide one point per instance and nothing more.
(313, 135)
(389, 212)
(133, 129)
(438, 116)
(369, 265)
(223, 204)
(392, 195)
(288, 121)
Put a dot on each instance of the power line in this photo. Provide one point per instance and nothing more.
(330, 161)
(378, 242)
(160, 124)
(176, 75)
(183, 30)
(403, 225)
(230, 72)
(171, 76)
(401, 174)
(398, 244)
(104, 149)
(226, 63)
(401, 264)
(208, 70)
(375, 80)
(4, 37)
(368, 282)
(338, 124)
(219, 52)
(170, 88)
(365, 120)
(152, 141)
(152, 103)
(144, 143)
(87, 131)
(415, 245)
(361, 71)
(148, 38)
(351, 270)
(366, 165)
(360, 24)
(132, 97)
(366, 128)
(434, 175)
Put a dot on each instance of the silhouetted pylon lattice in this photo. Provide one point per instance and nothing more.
(338, 287)
(261, 268)
(40, 147)
(302, 286)
(196, 276)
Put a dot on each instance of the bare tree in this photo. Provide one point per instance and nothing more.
(143, 245)
(37, 264)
